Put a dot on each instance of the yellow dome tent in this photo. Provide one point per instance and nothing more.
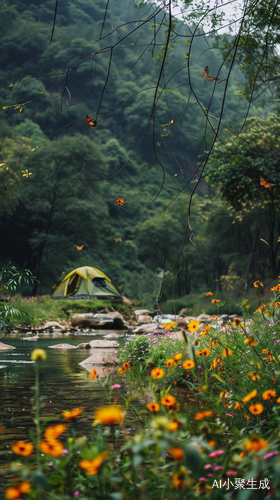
(85, 283)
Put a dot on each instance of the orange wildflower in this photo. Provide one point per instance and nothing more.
(215, 301)
(17, 491)
(208, 294)
(54, 431)
(268, 394)
(223, 394)
(12, 493)
(23, 448)
(173, 426)
(108, 415)
(176, 452)
(227, 352)
(157, 373)
(206, 330)
(68, 415)
(169, 363)
(278, 400)
(168, 400)
(254, 376)
(255, 444)
(237, 405)
(179, 480)
(213, 342)
(203, 388)
(211, 443)
(203, 352)
(256, 409)
(193, 325)
(250, 340)
(248, 306)
(246, 416)
(126, 365)
(250, 396)
(92, 466)
(188, 364)
(153, 406)
(53, 448)
(93, 374)
(277, 304)
(258, 283)
(202, 414)
(173, 407)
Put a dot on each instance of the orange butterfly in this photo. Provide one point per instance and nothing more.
(117, 239)
(205, 74)
(79, 248)
(120, 201)
(92, 123)
(266, 184)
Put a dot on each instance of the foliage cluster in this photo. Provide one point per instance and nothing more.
(47, 211)
(10, 279)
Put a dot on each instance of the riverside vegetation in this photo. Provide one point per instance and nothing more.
(209, 426)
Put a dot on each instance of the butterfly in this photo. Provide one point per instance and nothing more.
(79, 248)
(120, 201)
(265, 184)
(117, 239)
(25, 173)
(205, 74)
(92, 123)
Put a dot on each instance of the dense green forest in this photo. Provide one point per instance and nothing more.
(146, 148)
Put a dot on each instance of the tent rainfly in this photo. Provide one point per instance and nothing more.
(85, 283)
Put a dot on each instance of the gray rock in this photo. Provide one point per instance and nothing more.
(111, 336)
(138, 312)
(104, 343)
(145, 318)
(145, 328)
(5, 347)
(62, 346)
(31, 338)
(91, 320)
(83, 345)
(101, 359)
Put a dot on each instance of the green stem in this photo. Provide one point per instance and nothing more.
(37, 412)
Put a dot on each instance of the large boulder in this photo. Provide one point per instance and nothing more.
(111, 320)
(104, 343)
(62, 346)
(101, 358)
(87, 320)
(146, 328)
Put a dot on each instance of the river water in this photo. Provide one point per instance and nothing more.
(64, 385)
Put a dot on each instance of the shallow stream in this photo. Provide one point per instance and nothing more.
(65, 385)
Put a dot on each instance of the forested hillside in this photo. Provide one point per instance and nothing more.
(146, 148)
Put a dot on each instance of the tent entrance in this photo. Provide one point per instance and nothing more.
(73, 284)
(99, 282)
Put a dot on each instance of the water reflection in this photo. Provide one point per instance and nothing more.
(64, 386)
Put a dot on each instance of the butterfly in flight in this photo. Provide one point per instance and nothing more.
(91, 122)
(205, 74)
(120, 201)
(79, 248)
(117, 239)
(265, 184)
(25, 173)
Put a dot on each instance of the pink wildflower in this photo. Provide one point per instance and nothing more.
(216, 453)
(116, 386)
